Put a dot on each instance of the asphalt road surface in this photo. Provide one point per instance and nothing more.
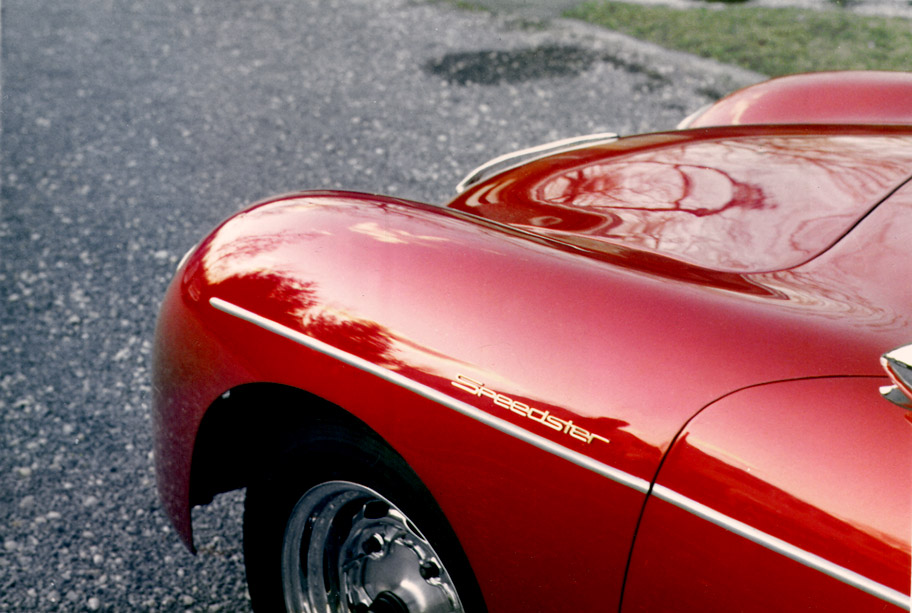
(130, 128)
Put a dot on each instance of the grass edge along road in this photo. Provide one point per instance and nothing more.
(771, 41)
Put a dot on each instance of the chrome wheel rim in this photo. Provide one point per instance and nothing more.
(347, 549)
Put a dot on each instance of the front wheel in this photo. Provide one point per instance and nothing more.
(345, 527)
(347, 548)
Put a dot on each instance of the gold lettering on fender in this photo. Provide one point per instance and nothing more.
(545, 418)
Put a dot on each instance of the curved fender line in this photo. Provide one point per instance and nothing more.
(636, 483)
(768, 541)
(782, 547)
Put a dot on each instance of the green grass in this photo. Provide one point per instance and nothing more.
(769, 41)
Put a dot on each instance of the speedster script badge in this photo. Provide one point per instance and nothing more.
(544, 417)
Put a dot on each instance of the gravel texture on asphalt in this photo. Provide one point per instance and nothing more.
(130, 128)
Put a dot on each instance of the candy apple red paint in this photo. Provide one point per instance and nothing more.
(629, 374)
(859, 97)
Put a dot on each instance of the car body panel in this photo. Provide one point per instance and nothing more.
(421, 430)
(725, 199)
(451, 336)
(846, 97)
(833, 482)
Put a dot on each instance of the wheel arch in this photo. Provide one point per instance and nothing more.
(246, 433)
(249, 426)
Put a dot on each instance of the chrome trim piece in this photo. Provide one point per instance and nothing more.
(516, 158)
(901, 355)
(896, 396)
(898, 364)
(754, 535)
(685, 123)
(185, 257)
(618, 476)
(788, 550)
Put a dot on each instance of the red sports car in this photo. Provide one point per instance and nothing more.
(668, 372)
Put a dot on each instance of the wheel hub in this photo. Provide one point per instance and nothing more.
(348, 549)
(388, 602)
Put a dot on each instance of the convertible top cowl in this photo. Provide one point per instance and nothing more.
(840, 97)
(737, 200)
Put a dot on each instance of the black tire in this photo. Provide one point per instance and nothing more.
(384, 526)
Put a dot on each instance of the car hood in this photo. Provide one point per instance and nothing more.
(729, 200)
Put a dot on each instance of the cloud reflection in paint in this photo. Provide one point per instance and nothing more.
(735, 205)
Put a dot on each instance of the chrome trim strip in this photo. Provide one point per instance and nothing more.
(185, 257)
(898, 364)
(801, 556)
(661, 492)
(685, 123)
(618, 476)
(896, 396)
(511, 160)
